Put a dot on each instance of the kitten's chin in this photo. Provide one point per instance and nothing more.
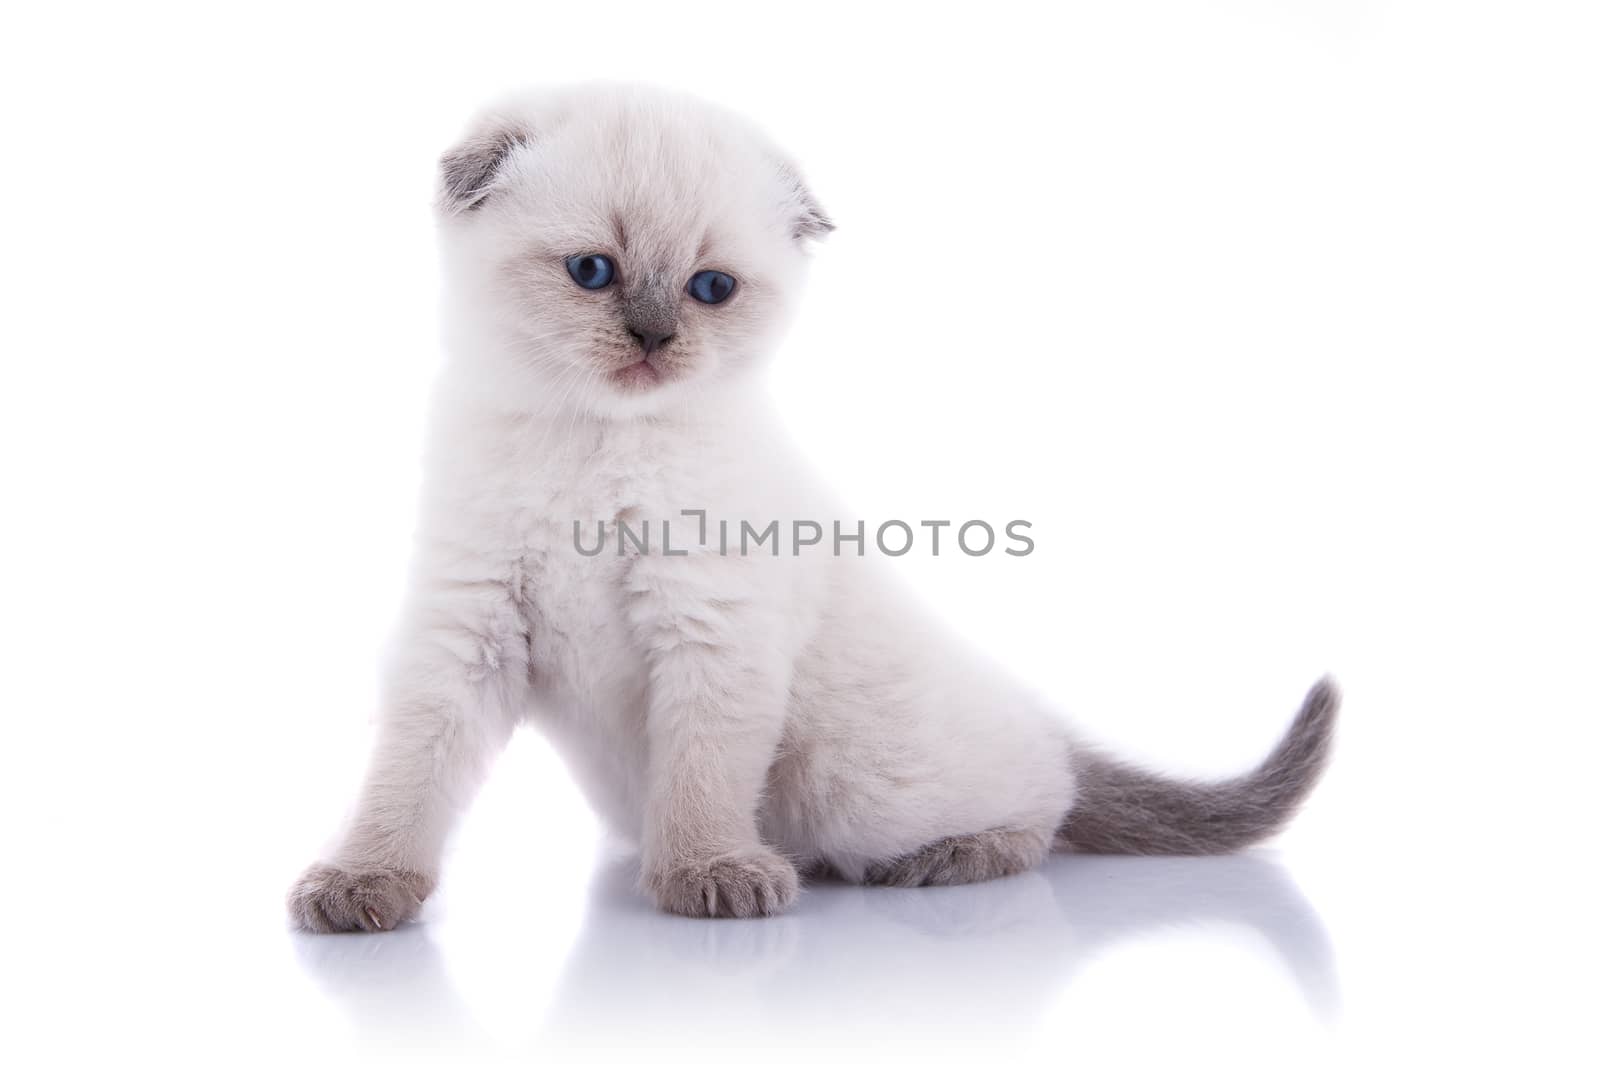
(637, 377)
(641, 388)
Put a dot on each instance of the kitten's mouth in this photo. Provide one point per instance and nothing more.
(640, 375)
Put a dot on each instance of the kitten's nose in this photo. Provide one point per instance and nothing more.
(648, 339)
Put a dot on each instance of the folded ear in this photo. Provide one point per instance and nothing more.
(806, 218)
(810, 221)
(467, 172)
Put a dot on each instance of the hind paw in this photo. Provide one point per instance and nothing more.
(964, 858)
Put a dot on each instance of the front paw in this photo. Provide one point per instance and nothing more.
(329, 899)
(739, 885)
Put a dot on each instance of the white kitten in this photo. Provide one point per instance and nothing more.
(619, 265)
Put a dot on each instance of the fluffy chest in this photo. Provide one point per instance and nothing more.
(558, 521)
(563, 514)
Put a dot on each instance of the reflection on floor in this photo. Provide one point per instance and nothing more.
(848, 965)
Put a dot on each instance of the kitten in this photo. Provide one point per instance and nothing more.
(619, 264)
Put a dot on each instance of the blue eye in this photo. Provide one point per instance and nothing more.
(591, 271)
(711, 286)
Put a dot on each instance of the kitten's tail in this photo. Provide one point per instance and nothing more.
(1126, 810)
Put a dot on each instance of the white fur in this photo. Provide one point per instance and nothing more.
(746, 709)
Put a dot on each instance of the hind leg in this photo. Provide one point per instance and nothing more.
(964, 858)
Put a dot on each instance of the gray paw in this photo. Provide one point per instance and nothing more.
(963, 859)
(738, 886)
(329, 899)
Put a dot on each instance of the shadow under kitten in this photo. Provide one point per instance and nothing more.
(850, 963)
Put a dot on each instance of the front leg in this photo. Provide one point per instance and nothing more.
(719, 679)
(449, 707)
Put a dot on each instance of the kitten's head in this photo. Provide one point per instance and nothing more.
(612, 249)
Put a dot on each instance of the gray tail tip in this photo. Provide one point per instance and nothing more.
(1323, 700)
(1303, 752)
(1281, 784)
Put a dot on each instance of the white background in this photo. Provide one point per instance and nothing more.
(1278, 321)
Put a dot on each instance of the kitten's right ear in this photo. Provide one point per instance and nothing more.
(467, 171)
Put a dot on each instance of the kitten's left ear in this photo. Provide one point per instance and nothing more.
(807, 220)
(467, 171)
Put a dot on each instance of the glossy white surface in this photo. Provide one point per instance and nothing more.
(1000, 967)
(1384, 926)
